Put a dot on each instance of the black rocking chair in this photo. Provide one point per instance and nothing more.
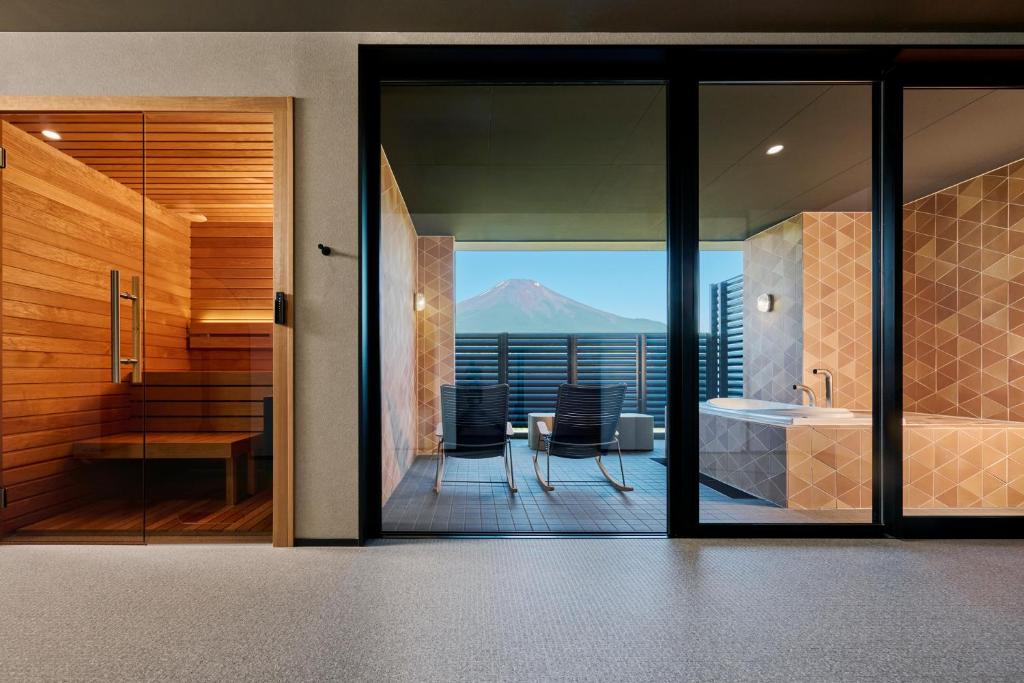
(586, 424)
(474, 425)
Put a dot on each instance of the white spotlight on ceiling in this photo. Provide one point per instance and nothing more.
(51, 134)
(774, 149)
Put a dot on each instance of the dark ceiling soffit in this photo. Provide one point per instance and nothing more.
(528, 16)
(423, 64)
(516, 63)
(920, 65)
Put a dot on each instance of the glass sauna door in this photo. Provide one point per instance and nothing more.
(208, 320)
(72, 249)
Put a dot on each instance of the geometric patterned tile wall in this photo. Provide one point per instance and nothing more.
(436, 332)
(963, 284)
(746, 455)
(773, 342)
(837, 304)
(963, 338)
(828, 467)
(397, 333)
(964, 467)
(818, 267)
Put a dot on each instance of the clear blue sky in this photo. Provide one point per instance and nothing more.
(628, 283)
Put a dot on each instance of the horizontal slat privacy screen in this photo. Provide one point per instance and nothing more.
(722, 349)
(534, 365)
(537, 365)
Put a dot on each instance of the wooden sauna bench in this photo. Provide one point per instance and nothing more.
(194, 416)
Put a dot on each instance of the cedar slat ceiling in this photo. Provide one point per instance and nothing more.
(219, 165)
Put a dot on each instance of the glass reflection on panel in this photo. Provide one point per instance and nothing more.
(523, 308)
(963, 302)
(785, 303)
(72, 253)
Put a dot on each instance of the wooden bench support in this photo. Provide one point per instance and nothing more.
(231, 447)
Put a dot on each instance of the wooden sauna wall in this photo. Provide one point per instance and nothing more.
(168, 290)
(64, 227)
(232, 280)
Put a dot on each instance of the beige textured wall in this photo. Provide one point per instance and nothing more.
(320, 70)
(398, 332)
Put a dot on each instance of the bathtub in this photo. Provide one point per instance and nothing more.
(783, 414)
(791, 414)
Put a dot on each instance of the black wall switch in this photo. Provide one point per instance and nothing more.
(280, 315)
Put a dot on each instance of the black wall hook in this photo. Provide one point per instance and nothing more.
(326, 251)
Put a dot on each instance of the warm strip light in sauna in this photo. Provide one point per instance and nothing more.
(246, 321)
(51, 134)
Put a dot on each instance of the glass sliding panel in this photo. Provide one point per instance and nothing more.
(72, 213)
(209, 317)
(523, 294)
(963, 302)
(785, 303)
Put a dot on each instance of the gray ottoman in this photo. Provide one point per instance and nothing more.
(636, 432)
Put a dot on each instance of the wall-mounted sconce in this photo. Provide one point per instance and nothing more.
(765, 303)
(324, 249)
(419, 301)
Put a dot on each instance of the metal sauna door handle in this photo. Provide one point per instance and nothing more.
(116, 360)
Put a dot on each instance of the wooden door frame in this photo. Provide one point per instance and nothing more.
(281, 108)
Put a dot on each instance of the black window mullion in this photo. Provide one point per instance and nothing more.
(682, 237)
(887, 308)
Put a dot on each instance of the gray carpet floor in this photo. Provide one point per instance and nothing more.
(518, 609)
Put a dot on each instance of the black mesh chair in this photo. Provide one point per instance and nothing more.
(586, 426)
(474, 425)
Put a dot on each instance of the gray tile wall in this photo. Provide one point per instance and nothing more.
(773, 342)
(745, 455)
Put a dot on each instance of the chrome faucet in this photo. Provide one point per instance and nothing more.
(807, 390)
(828, 384)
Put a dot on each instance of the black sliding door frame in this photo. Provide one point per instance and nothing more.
(473, 65)
(932, 68)
(682, 70)
(778, 66)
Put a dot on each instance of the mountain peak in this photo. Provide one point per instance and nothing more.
(522, 305)
(517, 282)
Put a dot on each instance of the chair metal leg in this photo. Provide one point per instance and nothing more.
(620, 486)
(510, 471)
(439, 477)
(540, 477)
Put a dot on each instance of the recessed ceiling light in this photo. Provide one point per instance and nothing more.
(774, 149)
(51, 134)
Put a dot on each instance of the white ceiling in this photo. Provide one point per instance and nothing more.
(586, 162)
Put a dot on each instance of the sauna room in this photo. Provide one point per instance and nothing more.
(137, 277)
